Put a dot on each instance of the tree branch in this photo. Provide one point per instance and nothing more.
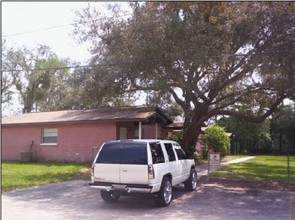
(251, 118)
(177, 99)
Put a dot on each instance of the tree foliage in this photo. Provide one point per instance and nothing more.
(275, 135)
(211, 57)
(93, 89)
(283, 129)
(6, 79)
(39, 78)
(217, 139)
(45, 82)
(252, 137)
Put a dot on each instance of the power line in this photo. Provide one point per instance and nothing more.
(143, 61)
(81, 66)
(37, 30)
(55, 27)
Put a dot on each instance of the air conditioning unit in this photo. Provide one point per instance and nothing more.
(26, 156)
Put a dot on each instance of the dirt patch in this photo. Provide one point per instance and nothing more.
(84, 174)
(248, 184)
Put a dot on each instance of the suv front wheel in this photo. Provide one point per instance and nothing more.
(191, 183)
(165, 194)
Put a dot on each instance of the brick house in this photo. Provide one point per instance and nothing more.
(76, 135)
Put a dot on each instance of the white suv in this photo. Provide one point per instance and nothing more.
(142, 166)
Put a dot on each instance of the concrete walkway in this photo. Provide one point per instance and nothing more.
(203, 169)
(237, 160)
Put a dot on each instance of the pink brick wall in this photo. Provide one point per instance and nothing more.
(149, 131)
(18, 139)
(76, 142)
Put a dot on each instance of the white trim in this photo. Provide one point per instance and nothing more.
(49, 144)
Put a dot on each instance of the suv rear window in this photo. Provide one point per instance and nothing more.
(123, 153)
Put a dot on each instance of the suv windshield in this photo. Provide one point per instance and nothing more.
(123, 153)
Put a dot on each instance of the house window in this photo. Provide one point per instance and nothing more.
(49, 136)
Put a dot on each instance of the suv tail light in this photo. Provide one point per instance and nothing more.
(151, 173)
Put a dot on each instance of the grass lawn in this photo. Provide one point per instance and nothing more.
(20, 175)
(260, 168)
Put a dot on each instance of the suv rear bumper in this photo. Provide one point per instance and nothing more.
(128, 188)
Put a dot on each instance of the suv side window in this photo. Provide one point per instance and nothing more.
(180, 153)
(157, 153)
(170, 152)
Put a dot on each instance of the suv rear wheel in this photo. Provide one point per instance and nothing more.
(165, 194)
(191, 183)
(109, 197)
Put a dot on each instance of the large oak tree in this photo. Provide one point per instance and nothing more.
(211, 58)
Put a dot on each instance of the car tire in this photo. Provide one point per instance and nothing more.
(164, 196)
(109, 197)
(191, 183)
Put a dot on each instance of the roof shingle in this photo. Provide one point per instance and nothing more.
(134, 113)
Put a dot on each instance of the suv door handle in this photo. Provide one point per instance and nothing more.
(124, 170)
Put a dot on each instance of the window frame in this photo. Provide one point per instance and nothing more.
(49, 133)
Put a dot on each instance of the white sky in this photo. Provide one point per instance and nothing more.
(19, 17)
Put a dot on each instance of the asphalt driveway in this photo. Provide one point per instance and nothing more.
(75, 200)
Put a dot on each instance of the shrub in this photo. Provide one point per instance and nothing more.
(245, 152)
(217, 140)
(178, 137)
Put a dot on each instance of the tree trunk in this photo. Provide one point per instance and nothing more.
(192, 131)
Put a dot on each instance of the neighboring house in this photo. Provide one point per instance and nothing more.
(76, 135)
(173, 128)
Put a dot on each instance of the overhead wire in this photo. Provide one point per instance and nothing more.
(142, 61)
(37, 30)
(55, 27)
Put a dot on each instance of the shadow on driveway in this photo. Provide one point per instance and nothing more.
(75, 200)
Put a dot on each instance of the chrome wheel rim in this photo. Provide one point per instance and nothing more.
(167, 192)
(194, 180)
